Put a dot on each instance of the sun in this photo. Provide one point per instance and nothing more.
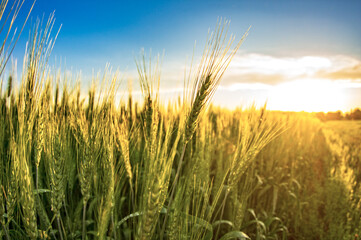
(310, 95)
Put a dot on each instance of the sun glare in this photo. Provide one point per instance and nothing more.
(307, 95)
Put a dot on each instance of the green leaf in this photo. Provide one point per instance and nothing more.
(136, 214)
(250, 210)
(235, 235)
(271, 220)
(39, 191)
(219, 222)
(257, 222)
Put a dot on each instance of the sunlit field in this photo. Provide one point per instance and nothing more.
(110, 162)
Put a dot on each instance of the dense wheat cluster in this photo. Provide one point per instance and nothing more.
(74, 167)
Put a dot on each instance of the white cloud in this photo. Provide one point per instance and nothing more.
(263, 64)
(245, 86)
(252, 68)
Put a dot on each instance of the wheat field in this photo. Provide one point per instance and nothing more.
(90, 167)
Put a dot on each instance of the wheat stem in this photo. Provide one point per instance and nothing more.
(222, 211)
(6, 232)
(59, 227)
(173, 191)
(113, 225)
(84, 219)
(36, 177)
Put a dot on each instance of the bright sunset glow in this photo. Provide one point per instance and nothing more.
(306, 83)
(307, 95)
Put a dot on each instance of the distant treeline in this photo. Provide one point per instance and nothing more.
(352, 115)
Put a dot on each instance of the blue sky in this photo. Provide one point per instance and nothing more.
(98, 32)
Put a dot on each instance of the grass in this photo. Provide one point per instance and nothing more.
(88, 168)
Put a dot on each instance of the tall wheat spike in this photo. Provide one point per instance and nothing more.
(107, 164)
(57, 176)
(24, 179)
(216, 57)
(122, 134)
(215, 60)
(107, 201)
(85, 137)
(6, 49)
(159, 154)
(40, 141)
(22, 133)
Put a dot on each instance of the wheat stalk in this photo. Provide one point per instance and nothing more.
(215, 60)
(107, 202)
(122, 135)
